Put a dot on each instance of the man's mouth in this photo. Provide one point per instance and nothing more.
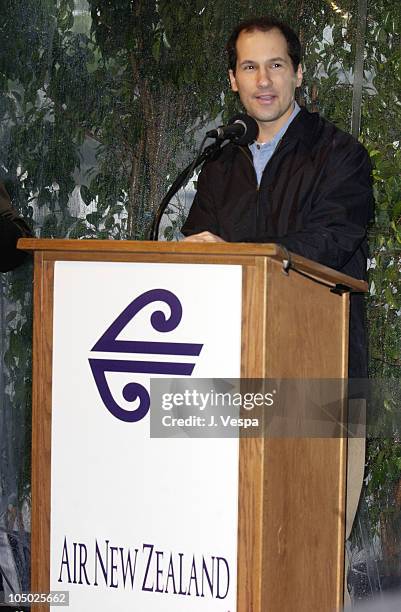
(265, 98)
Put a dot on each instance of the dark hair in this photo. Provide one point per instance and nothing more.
(264, 24)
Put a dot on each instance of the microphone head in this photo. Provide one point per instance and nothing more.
(251, 129)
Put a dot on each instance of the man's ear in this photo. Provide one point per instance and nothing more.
(299, 75)
(233, 81)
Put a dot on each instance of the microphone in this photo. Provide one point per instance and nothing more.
(241, 129)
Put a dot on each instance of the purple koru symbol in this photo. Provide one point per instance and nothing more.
(109, 343)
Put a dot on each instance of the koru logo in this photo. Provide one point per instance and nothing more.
(109, 343)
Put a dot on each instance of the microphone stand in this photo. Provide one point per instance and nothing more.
(179, 182)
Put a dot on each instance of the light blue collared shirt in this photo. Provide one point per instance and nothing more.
(262, 153)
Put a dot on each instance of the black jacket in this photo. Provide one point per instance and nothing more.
(315, 198)
(12, 227)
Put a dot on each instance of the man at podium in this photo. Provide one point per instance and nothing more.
(304, 183)
(12, 227)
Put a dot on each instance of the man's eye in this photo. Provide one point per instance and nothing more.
(276, 65)
(249, 67)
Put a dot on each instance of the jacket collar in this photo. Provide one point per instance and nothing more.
(302, 128)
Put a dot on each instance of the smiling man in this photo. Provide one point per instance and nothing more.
(304, 184)
(265, 76)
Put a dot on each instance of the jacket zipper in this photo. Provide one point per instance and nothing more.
(249, 158)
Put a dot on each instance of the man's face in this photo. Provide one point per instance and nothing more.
(265, 79)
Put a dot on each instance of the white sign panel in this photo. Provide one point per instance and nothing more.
(141, 523)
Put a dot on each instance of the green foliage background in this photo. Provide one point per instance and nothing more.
(102, 103)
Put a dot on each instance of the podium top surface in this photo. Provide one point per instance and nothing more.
(229, 249)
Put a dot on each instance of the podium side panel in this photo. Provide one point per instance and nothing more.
(304, 505)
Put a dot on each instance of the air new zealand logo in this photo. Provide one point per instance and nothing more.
(108, 343)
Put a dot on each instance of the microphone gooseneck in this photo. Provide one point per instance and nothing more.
(241, 129)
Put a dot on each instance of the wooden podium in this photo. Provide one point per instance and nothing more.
(291, 503)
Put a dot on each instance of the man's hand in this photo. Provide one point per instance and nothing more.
(204, 237)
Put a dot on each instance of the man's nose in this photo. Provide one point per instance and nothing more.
(264, 77)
